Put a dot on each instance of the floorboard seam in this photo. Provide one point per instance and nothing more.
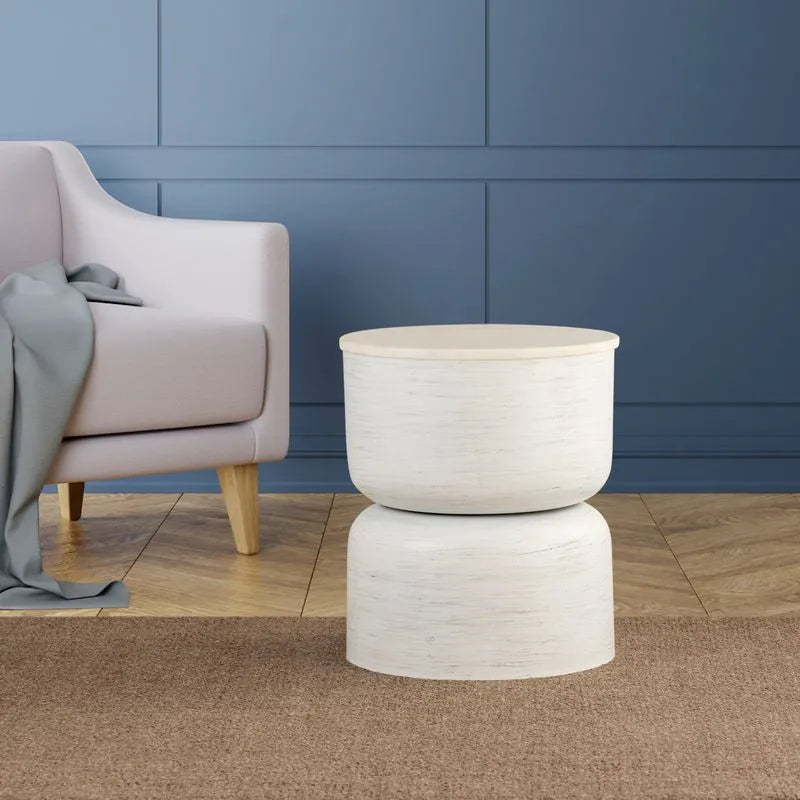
(677, 560)
(149, 539)
(319, 550)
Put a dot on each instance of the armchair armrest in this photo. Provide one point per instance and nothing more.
(237, 269)
(234, 269)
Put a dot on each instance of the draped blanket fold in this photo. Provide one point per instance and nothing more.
(46, 345)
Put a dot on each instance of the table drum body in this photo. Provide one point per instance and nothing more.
(479, 437)
(479, 597)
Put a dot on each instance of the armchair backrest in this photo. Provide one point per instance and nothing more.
(30, 212)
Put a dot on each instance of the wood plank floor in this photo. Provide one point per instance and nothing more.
(674, 554)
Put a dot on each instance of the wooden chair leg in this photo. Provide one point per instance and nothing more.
(240, 490)
(70, 499)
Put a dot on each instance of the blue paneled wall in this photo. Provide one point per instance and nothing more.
(625, 164)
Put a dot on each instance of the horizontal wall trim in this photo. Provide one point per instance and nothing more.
(440, 163)
(707, 404)
(617, 454)
(333, 446)
(627, 404)
(694, 454)
(343, 487)
(703, 430)
(146, 146)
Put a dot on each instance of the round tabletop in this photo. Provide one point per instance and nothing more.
(478, 342)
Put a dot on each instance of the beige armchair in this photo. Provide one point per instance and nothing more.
(198, 377)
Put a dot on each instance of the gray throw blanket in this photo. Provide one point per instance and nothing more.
(46, 345)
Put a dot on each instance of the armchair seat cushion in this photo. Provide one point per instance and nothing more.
(155, 370)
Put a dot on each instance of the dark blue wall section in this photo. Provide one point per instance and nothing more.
(701, 279)
(637, 72)
(323, 72)
(626, 164)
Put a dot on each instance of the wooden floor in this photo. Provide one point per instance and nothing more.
(674, 554)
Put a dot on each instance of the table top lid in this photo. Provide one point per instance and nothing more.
(478, 342)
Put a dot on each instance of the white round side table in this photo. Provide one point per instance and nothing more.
(463, 434)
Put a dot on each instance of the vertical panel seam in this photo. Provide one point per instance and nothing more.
(486, 73)
(158, 84)
(486, 251)
(486, 144)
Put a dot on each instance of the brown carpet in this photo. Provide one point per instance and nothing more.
(267, 708)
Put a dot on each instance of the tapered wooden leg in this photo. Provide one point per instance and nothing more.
(240, 489)
(70, 499)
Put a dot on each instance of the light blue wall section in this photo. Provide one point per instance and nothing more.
(628, 164)
(82, 70)
(141, 195)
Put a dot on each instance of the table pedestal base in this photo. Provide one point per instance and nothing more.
(479, 597)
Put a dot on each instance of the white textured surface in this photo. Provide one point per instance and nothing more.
(479, 437)
(449, 597)
(476, 342)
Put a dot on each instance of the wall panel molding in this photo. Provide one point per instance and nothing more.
(428, 153)
(657, 446)
(448, 163)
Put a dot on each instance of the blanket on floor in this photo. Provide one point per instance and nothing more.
(46, 345)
